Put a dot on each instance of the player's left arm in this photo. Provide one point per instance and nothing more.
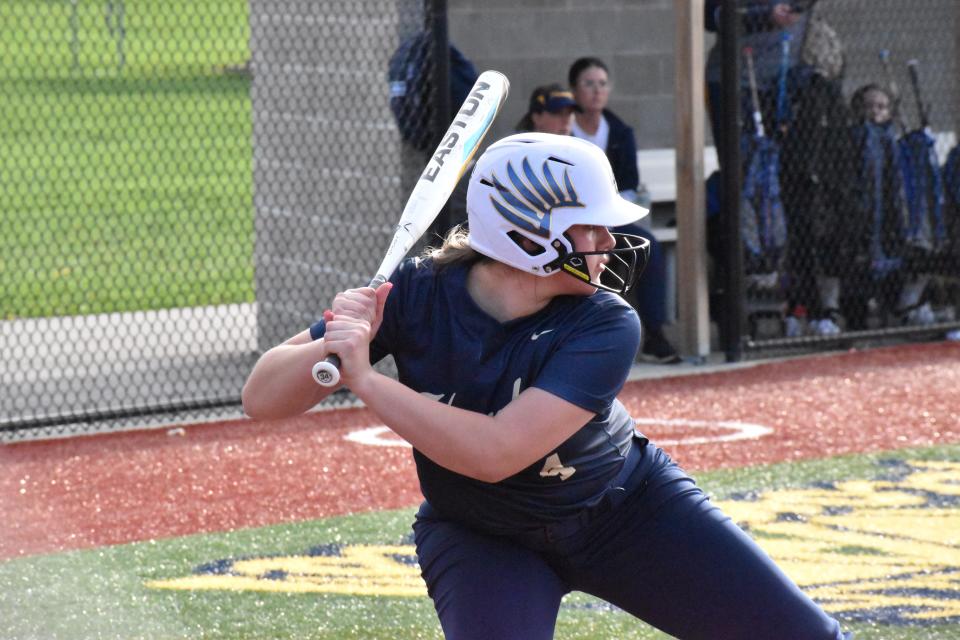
(487, 448)
(279, 386)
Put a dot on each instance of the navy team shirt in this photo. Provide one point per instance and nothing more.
(577, 348)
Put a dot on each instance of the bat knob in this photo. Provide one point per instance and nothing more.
(326, 374)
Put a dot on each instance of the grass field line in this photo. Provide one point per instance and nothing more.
(42, 348)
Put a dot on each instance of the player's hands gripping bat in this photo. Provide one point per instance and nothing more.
(436, 183)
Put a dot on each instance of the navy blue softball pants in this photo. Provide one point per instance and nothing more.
(664, 554)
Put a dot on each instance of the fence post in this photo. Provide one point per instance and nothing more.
(691, 203)
(732, 320)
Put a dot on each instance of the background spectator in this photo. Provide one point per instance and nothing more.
(551, 111)
(589, 79)
(883, 276)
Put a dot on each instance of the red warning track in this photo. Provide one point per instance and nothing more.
(91, 491)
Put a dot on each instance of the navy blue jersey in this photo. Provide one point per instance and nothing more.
(577, 348)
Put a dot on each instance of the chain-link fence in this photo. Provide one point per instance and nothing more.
(185, 184)
(850, 169)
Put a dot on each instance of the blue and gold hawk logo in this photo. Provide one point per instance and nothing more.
(533, 198)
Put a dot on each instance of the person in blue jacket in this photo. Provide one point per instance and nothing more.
(511, 345)
(594, 122)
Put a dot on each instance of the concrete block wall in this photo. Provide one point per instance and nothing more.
(534, 42)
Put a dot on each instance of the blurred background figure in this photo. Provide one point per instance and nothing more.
(792, 83)
(887, 283)
(762, 25)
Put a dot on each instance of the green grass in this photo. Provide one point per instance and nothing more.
(124, 188)
(104, 593)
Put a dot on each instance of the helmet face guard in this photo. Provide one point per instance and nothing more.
(627, 260)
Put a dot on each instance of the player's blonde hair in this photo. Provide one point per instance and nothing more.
(455, 249)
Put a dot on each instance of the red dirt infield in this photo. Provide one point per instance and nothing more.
(108, 489)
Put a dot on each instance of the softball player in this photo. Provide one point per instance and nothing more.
(511, 347)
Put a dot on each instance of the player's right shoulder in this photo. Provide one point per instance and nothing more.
(611, 312)
(414, 280)
(412, 270)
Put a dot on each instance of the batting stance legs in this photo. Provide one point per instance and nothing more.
(667, 556)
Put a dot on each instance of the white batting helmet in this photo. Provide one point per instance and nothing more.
(536, 186)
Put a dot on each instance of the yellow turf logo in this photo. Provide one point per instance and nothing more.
(355, 570)
(887, 550)
(857, 546)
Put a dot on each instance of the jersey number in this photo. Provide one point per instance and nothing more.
(553, 467)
